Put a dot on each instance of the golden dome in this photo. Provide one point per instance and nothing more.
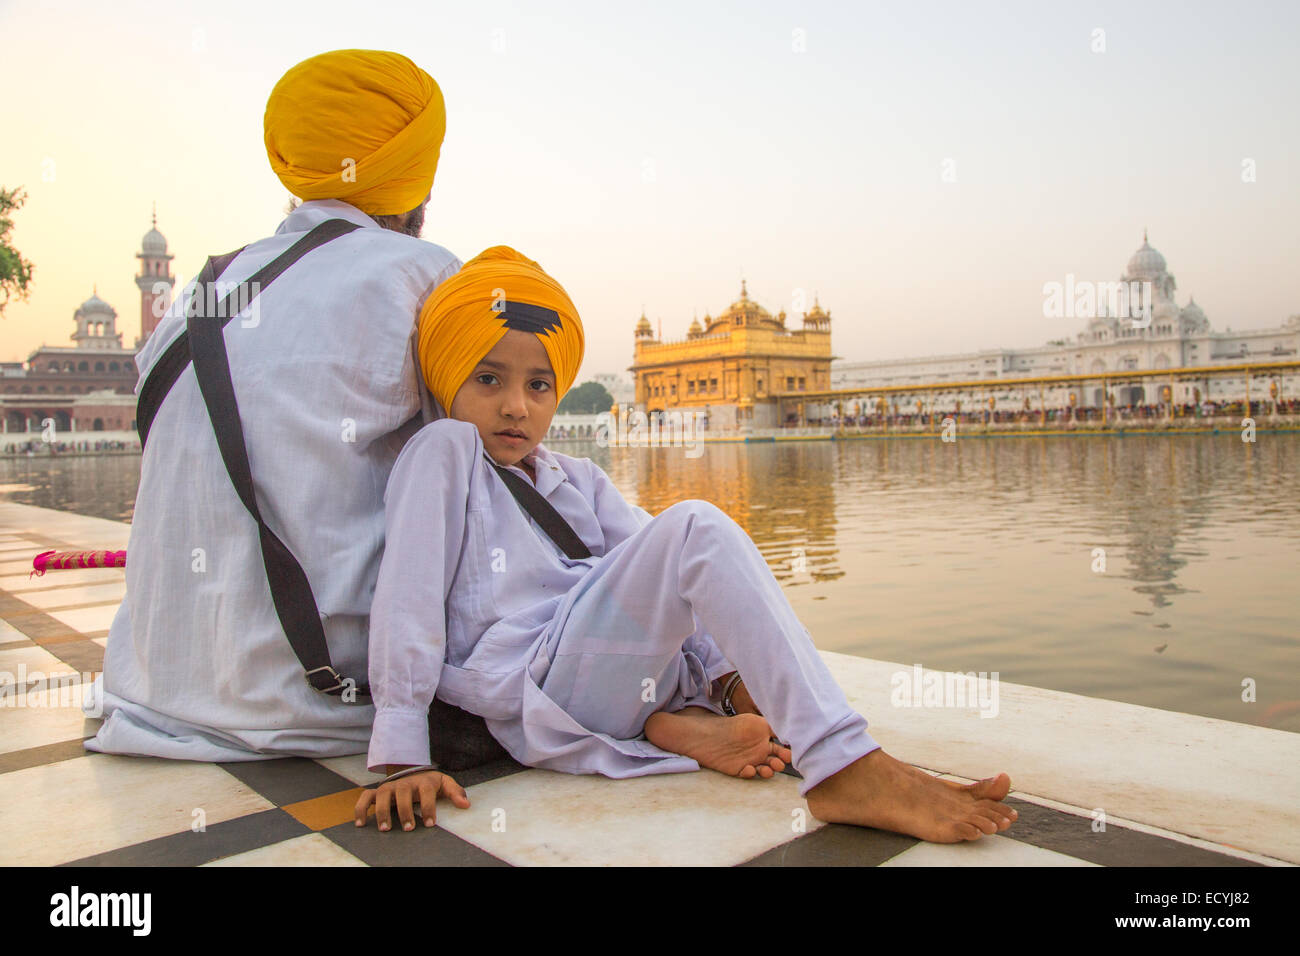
(745, 311)
(817, 316)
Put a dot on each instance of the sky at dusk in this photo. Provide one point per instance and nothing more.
(922, 168)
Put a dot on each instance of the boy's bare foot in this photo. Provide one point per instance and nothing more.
(879, 791)
(739, 746)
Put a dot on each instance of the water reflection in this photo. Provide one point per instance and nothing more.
(100, 485)
(982, 554)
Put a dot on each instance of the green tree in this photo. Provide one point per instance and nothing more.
(15, 271)
(587, 398)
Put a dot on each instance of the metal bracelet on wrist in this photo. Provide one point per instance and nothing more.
(727, 707)
(408, 772)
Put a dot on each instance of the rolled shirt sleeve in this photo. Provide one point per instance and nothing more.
(714, 661)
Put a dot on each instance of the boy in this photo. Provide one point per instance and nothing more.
(574, 637)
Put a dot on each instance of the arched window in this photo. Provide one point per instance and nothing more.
(113, 366)
(83, 367)
(99, 366)
(99, 425)
(54, 366)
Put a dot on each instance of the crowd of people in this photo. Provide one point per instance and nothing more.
(1060, 416)
(34, 447)
(571, 431)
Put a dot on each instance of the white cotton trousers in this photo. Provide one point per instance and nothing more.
(641, 632)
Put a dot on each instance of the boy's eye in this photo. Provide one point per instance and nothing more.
(488, 378)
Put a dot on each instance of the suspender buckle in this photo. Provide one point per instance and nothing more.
(318, 683)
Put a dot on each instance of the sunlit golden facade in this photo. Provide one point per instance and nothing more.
(733, 366)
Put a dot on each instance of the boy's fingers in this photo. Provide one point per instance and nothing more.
(363, 805)
(405, 811)
(428, 802)
(383, 807)
(454, 790)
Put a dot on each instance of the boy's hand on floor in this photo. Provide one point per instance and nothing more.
(424, 787)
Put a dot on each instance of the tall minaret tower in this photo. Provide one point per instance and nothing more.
(155, 279)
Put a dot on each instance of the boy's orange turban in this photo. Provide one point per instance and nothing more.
(467, 315)
(363, 126)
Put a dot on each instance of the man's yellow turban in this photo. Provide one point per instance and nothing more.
(467, 315)
(363, 126)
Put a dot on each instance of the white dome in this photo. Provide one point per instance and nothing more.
(1194, 317)
(96, 304)
(153, 243)
(1146, 263)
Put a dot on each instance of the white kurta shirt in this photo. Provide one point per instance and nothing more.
(468, 591)
(197, 665)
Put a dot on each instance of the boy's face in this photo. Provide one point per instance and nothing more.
(509, 397)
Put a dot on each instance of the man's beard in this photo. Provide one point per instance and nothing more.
(408, 224)
(414, 223)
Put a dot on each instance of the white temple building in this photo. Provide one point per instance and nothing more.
(619, 386)
(1170, 336)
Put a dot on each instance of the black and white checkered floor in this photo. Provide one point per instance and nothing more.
(1096, 782)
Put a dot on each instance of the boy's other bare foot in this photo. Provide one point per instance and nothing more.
(739, 746)
(879, 791)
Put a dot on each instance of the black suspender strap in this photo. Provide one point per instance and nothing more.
(168, 367)
(172, 362)
(295, 604)
(544, 513)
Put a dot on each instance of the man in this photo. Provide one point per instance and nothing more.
(197, 665)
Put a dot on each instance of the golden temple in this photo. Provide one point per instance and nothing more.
(733, 365)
